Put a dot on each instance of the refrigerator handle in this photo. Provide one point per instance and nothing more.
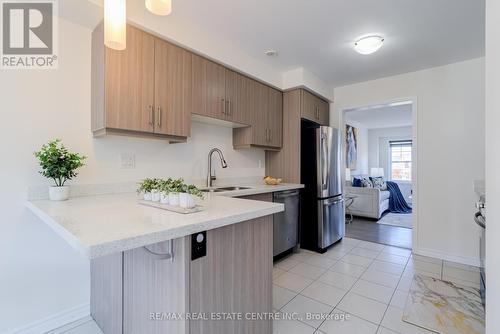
(324, 162)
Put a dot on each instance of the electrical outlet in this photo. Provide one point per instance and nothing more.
(127, 160)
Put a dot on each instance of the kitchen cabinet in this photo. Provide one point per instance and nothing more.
(266, 120)
(208, 88)
(142, 90)
(314, 108)
(298, 104)
(219, 92)
(235, 276)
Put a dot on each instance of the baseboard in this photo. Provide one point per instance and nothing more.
(471, 261)
(54, 321)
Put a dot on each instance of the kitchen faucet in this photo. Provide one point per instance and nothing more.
(211, 177)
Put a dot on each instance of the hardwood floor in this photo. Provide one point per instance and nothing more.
(369, 230)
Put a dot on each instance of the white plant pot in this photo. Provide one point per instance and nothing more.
(173, 199)
(147, 196)
(155, 196)
(164, 198)
(59, 193)
(186, 201)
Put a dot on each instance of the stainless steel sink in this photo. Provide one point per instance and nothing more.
(232, 188)
(221, 189)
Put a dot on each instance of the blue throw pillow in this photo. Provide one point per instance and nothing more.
(356, 182)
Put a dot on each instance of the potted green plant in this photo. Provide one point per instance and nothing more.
(175, 188)
(146, 187)
(60, 165)
(165, 188)
(155, 190)
(187, 198)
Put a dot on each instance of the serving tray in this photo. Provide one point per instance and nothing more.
(172, 208)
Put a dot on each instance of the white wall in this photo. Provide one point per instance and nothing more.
(450, 125)
(492, 166)
(378, 152)
(40, 275)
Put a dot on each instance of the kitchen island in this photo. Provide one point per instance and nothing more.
(155, 271)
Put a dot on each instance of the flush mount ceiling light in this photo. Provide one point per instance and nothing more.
(159, 7)
(368, 45)
(271, 53)
(115, 24)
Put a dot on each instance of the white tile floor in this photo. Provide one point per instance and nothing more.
(365, 281)
(368, 281)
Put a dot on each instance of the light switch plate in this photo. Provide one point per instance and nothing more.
(127, 160)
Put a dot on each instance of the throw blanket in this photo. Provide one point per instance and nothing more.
(397, 203)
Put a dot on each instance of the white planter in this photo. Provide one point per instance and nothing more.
(59, 193)
(173, 199)
(164, 198)
(187, 201)
(155, 196)
(147, 196)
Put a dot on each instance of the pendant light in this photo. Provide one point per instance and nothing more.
(115, 24)
(159, 7)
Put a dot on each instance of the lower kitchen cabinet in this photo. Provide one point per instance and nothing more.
(133, 291)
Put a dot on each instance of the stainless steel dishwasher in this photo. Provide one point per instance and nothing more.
(286, 223)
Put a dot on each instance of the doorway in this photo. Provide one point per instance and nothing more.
(380, 161)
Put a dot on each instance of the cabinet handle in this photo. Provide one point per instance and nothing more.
(163, 256)
(159, 116)
(228, 110)
(223, 106)
(270, 137)
(151, 115)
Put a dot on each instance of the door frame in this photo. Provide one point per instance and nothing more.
(415, 153)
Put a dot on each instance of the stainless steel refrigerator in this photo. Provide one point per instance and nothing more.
(322, 203)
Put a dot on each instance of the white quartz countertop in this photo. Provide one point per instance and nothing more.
(107, 224)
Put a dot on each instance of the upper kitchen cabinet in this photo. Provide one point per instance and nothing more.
(314, 108)
(143, 90)
(266, 119)
(219, 92)
(173, 89)
(209, 89)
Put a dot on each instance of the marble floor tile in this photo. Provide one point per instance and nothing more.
(444, 307)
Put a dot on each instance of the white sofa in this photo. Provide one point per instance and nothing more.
(369, 202)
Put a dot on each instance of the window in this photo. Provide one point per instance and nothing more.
(400, 160)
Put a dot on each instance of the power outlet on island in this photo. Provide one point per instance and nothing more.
(127, 161)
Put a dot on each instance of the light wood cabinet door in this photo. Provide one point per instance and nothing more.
(314, 109)
(173, 89)
(260, 126)
(234, 276)
(209, 88)
(129, 81)
(275, 118)
(152, 284)
(324, 113)
(246, 101)
(309, 106)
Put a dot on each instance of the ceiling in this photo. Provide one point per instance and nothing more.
(381, 116)
(318, 34)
